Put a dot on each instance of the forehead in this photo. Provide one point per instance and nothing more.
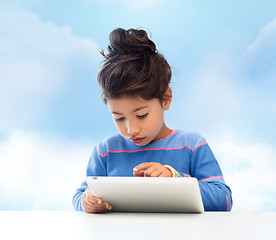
(129, 103)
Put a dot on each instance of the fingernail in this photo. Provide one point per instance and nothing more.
(134, 169)
(99, 201)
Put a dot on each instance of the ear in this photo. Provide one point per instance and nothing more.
(167, 99)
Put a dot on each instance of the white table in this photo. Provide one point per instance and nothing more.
(80, 225)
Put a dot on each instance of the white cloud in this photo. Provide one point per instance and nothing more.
(258, 60)
(264, 43)
(41, 172)
(233, 100)
(37, 62)
(249, 169)
(257, 67)
(229, 85)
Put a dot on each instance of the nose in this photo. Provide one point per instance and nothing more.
(132, 128)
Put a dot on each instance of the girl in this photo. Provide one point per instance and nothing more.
(134, 79)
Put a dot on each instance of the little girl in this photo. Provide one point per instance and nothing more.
(134, 79)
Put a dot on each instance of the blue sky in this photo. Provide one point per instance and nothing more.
(223, 58)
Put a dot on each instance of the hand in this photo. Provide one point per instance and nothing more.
(91, 204)
(151, 169)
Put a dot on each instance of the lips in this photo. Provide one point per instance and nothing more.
(137, 140)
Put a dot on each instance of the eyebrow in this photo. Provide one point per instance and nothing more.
(137, 109)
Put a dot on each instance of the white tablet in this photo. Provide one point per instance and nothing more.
(148, 194)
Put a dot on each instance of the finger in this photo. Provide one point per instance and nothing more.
(101, 210)
(104, 206)
(107, 206)
(150, 170)
(166, 174)
(92, 209)
(84, 198)
(88, 194)
(139, 174)
(143, 166)
(97, 200)
(101, 204)
(94, 200)
(156, 173)
(88, 202)
(90, 198)
(95, 207)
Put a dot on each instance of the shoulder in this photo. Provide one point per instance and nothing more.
(190, 138)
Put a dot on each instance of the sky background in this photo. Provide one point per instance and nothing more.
(223, 59)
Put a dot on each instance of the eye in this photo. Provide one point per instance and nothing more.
(142, 116)
(119, 119)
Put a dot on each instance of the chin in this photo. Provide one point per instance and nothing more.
(145, 143)
(142, 144)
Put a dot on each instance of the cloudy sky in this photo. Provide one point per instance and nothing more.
(223, 58)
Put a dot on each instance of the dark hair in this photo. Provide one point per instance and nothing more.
(133, 67)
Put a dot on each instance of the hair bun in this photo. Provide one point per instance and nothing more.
(130, 41)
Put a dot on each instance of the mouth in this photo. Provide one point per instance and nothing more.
(137, 140)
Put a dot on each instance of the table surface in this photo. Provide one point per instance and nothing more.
(80, 225)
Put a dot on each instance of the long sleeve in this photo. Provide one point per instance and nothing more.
(216, 195)
(76, 201)
(96, 167)
(186, 153)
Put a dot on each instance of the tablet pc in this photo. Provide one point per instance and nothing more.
(148, 194)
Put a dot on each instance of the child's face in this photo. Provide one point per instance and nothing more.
(141, 121)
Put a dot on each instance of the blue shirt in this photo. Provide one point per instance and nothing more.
(187, 152)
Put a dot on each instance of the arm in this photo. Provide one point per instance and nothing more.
(96, 167)
(77, 202)
(216, 195)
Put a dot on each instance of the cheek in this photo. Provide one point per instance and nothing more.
(156, 121)
(120, 127)
(159, 117)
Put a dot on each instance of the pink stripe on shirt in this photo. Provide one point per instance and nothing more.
(173, 132)
(210, 178)
(151, 149)
(227, 200)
